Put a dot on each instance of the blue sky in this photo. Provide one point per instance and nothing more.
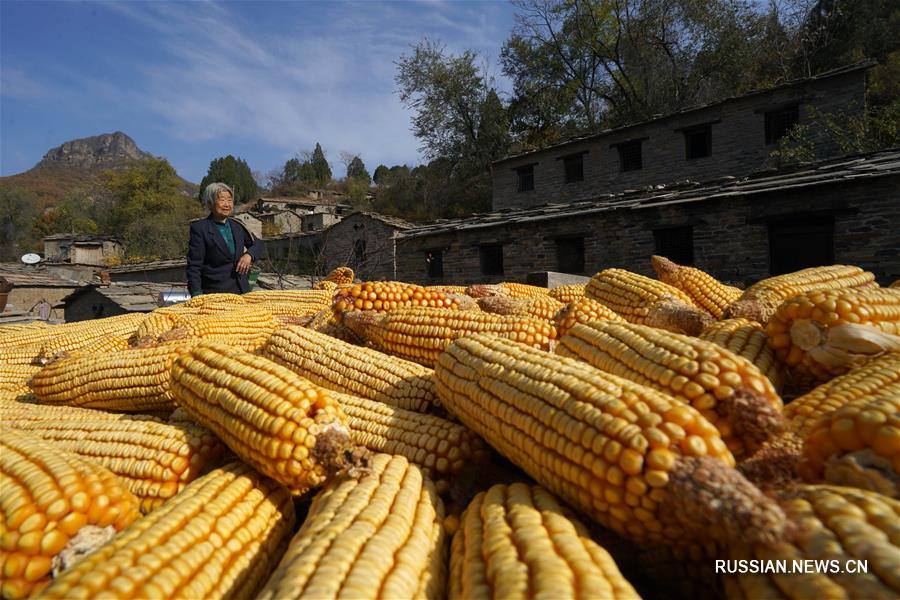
(192, 81)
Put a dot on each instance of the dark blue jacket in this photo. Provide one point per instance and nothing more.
(210, 267)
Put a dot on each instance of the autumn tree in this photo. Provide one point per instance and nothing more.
(236, 174)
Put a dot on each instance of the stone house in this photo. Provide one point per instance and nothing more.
(79, 249)
(98, 301)
(31, 284)
(365, 242)
(250, 221)
(282, 221)
(740, 230)
(732, 137)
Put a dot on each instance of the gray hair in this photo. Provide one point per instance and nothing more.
(212, 192)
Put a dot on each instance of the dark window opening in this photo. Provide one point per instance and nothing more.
(574, 168)
(676, 244)
(630, 157)
(698, 142)
(491, 257)
(570, 255)
(780, 122)
(435, 261)
(359, 252)
(526, 178)
(800, 242)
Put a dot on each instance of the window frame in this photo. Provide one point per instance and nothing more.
(667, 243)
(797, 229)
(560, 243)
(706, 131)
(525, 178)
(437, 258)
(485, 259)
(626, 159)
(773, 127)
(568, 161)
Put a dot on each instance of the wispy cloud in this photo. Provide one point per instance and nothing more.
(17, 84)
(295, 85)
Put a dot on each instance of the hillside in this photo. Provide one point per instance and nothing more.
(77, 166)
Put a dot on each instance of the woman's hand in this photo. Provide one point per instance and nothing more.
(243, 264)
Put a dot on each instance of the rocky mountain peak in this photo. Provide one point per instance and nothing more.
(105, 151)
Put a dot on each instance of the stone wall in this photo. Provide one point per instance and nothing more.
(375, 238)
(730, 236)
(24, 298)
(738, 145)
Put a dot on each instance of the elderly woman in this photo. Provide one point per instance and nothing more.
(221, 250)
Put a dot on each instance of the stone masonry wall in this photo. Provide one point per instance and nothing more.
(730, 236)
(738, 146)
(338, 247)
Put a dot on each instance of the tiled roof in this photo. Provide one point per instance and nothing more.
(867, 64)
(93, 239)
(153, 265)
(21, 275)
(132, 296)
(851, 168)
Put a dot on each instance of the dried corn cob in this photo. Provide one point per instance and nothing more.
(541, 307)
(420, 335)
(822, 334)
(343, 367)
(156, 324)
(328, 286)
(203, 299)
(895, 285)
(634, 459)
(50, 500)
(513, 290)
(245, 327)
(22, 354)
(704, 289)
(340, 276)
(382, 296)
(760, 300)
(568, 293)
(746, 338)
(876, 376)
(86, 333)
(10, 328)
(13, 377)
(379, 537)
(646, 301)
(831, 524)
(288, 428)
(219, 538)
(438, 446)
(113, 343)
(156, 460)
(562, 561)
(325, 322)
(583, 310)
(318, 298)
(857, 444)
(447, 289)
(728, 390)
(135, 380)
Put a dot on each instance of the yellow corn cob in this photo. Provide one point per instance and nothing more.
(512, 290)
(310, 298)
(857, 444)
(382, 296)
(420, 335)
(13, 377)
(561, 560)
(219, 538)
(245, 327)
(822, 334)
(86, 333)
(447, 289)
(646, 301)
(876, 376)
(325, 322)
(107, 345)
(746, 338)
(568, 293)
(293, 310)
(32, 335)
(156, 324)
(278, 422)
(10, 328)
(541, 307)
(23, 354)
(704, 289)
(583, 310)
(343, 367)
(440, 447)
(634, 459)
(760, 300)
(51, 500)
(896, 284)
(379, 537)
(339, 276)
(728, 390)
(831, 523)
(156, 460)
(329, 286)
(203, 299)
(135, 380)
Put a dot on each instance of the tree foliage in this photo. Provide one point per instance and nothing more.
(147, 209)
(236, 173)
(18, 209)
(356, 171)
(302, 173)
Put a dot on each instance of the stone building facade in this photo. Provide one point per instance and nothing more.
(733, 137)
(82, 249)
(365, 242)
(842, 211)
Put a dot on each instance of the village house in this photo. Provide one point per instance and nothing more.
(364, 241)
(95, 250)
(733, 137)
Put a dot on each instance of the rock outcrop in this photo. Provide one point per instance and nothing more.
(104, 151)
